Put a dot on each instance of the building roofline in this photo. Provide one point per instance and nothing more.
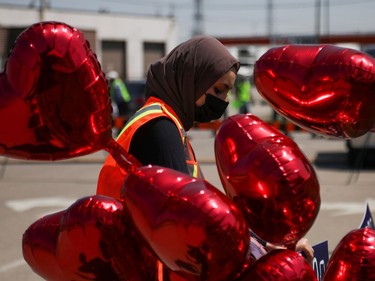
(365, 38)
(85, 11)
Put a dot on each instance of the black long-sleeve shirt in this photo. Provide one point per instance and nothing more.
(158, 142)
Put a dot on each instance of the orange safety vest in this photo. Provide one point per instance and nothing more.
(112, 177)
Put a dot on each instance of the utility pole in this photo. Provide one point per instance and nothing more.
(327, 17)
(172, 9)
(43, 4)
(317, 20)
(270, 21)
(198, 18)
(42, 8)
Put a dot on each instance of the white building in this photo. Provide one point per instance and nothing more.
(122, 42)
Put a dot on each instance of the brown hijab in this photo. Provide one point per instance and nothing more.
(187, 72)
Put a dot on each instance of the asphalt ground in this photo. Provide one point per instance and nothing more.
(30, 190)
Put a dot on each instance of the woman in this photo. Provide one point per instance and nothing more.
(188, 85)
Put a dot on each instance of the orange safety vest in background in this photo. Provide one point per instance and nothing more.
(112, 177)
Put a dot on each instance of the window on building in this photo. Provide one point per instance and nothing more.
(152, 52)
(113, 57)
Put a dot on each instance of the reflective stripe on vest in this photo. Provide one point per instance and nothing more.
(152, 110)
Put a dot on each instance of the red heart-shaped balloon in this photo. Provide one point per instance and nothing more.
(54, 101)
(280, 265)
(39, 247)
(353, 258)
(94, 239)
(267, 176)
(325, 89)
(192, 227)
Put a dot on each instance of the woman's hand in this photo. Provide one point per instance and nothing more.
(271, 247)
(303, 245)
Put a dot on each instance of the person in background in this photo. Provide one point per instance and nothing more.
(242, 95)
(119, 94)
(190, 84)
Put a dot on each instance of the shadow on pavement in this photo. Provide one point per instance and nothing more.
(340, 161)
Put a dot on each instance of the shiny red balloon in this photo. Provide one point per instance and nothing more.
(39, 247)
(191, 226)
(353, 258)
(280, 265)
(54, 98)
(93, 239)
(267, 176)
(325, 89)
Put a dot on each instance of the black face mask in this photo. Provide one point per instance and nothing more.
(212, 109)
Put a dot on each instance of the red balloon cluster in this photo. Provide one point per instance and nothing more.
(325, 89)
(353, 258)
(267, 176)
(168, 225)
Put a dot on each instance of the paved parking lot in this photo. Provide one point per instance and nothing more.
(30, 190)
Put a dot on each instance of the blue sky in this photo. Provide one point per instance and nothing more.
(242, 17)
